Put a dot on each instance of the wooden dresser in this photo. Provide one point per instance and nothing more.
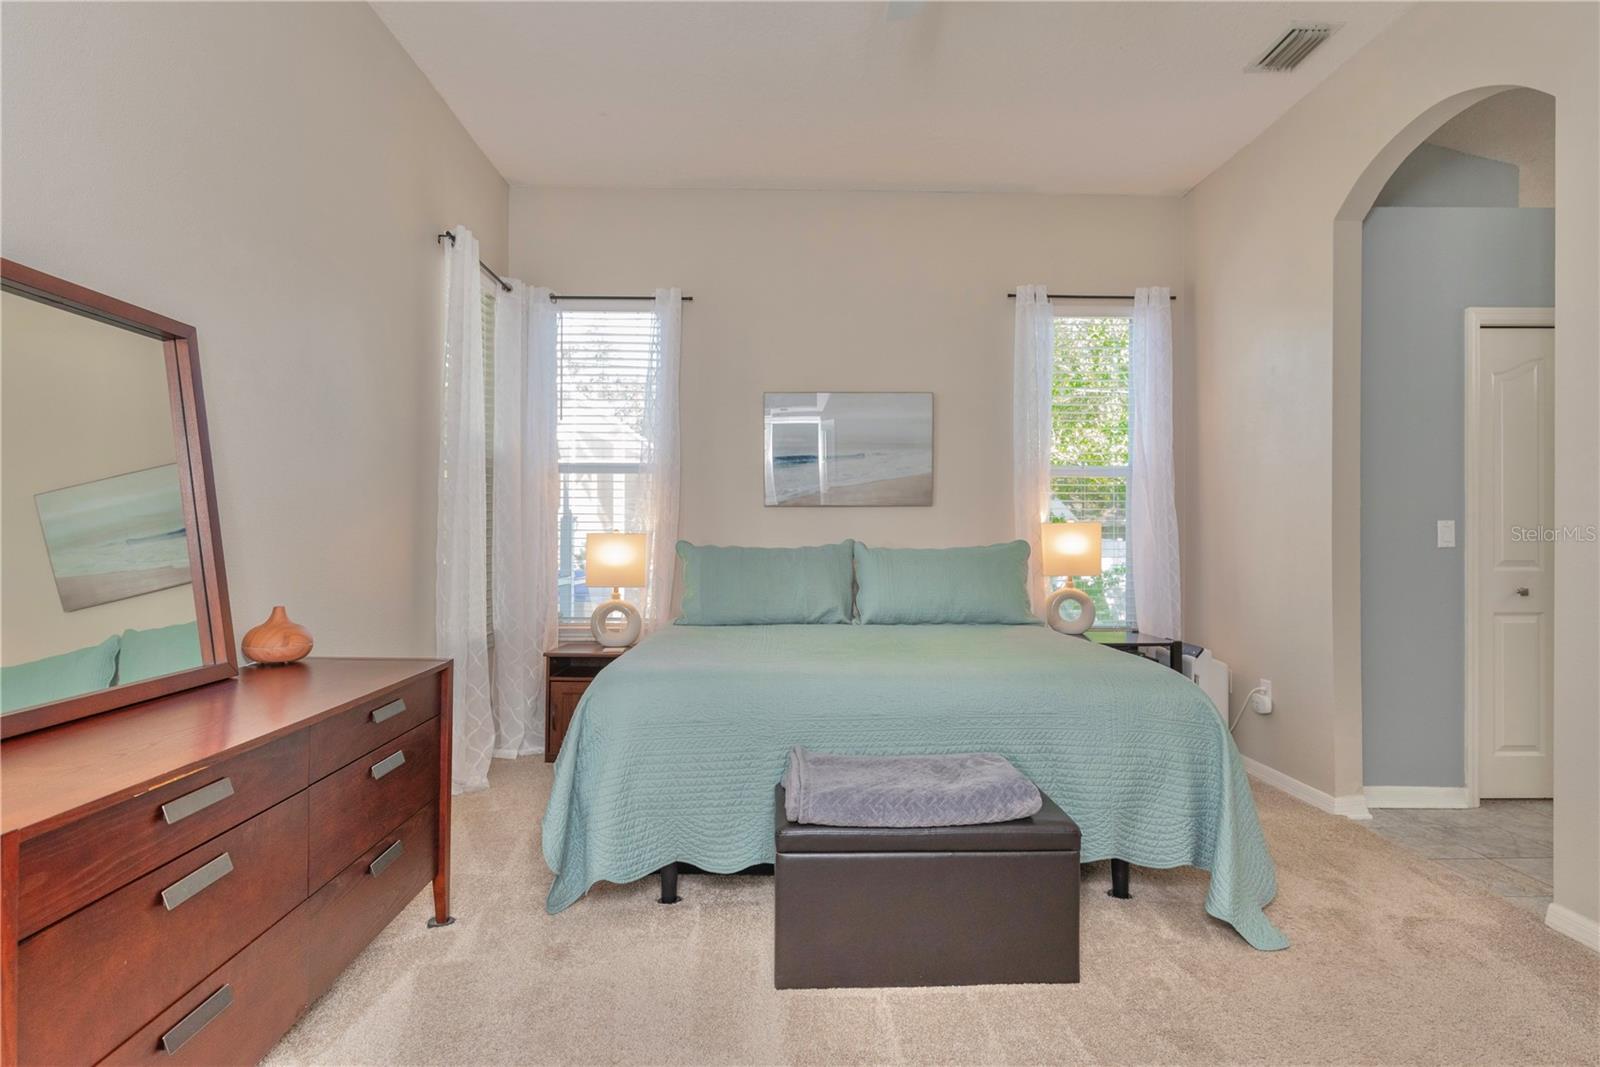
(183, 877)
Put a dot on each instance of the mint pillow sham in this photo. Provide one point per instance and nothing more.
(152, 653)
(988, 584)
(70, 674)
(763, 586)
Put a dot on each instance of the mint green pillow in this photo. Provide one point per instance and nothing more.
(57, 677)
(759, 586)
(943, 585)
(152, 653)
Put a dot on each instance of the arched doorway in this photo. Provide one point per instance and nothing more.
(1404, 694)
(1346, 389)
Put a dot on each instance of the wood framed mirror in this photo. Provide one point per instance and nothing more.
(112, 588)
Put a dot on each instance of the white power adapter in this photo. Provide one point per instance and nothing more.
(1260, 699)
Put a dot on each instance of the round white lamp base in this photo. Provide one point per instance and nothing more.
(608, 637)
(1085, 619)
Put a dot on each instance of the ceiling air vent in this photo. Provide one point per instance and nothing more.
(1292, 48)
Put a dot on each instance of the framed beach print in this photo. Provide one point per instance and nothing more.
(116, 538)
(848, 449)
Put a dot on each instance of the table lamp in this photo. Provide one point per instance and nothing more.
(617, 560)
(1070, 549)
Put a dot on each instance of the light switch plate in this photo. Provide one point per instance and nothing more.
(1447, 533)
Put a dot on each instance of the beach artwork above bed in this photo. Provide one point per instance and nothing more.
(116, 538)
(848, 449)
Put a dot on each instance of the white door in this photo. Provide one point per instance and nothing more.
(1511, 455)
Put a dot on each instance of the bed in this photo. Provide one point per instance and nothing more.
(675, 748)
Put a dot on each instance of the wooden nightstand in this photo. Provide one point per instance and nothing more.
(571, 665)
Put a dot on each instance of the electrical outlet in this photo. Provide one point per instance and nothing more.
(1447, 533)
(1261, 702)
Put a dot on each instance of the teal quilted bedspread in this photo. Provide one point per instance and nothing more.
(676, 746)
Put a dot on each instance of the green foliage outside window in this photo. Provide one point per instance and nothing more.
(1090, 450)
(1089, 393)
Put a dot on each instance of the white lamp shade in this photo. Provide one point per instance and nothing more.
(1070, 548)
(614, 559)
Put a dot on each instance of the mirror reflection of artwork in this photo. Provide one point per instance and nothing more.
(848, 449)
(116, 538)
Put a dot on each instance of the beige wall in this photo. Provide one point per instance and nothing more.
(1272, 570)
(844, 291)
(79, 401)
(274, 175)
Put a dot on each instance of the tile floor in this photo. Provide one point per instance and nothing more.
(1503, 845)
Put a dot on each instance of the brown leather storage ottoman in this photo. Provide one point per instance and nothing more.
(956, 905)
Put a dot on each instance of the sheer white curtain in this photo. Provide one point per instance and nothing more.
(1152, 511)
(526, 491)
(461, 626)
(659, 471)
(1032, 365)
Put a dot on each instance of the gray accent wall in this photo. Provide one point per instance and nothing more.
(1433, 176)
(1422, 268)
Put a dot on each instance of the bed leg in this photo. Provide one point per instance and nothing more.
(1119, 880)
(669, 884)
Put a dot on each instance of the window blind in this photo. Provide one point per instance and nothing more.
(1091, 449)
(605, 357)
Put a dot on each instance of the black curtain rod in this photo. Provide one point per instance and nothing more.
(502, 282)
(1087, 296)
(586, 296)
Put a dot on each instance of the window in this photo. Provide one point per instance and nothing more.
(604, 360)
(1090, 455)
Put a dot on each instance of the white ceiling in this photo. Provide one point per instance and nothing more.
(1516, 126)
(1138, 98)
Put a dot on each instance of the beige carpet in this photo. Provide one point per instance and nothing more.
(1394, 960)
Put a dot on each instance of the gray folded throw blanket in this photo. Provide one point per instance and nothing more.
(957, 790)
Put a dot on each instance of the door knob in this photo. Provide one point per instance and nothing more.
(1522, 590)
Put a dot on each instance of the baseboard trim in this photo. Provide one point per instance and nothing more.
(1582, 929)
(1417, 796)
(1351, 807)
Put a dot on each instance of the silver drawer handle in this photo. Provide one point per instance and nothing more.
(386, 857)
(199, 800)
(190, 884)
(196, 1020)
(388, 763)
(389, 711)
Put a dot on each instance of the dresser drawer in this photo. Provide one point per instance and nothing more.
(65, 869)
(238, 1012)
(353, 808)
(363, 898)
(96, 977)
(342, 738)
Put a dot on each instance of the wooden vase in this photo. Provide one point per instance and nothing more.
(278, 640)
